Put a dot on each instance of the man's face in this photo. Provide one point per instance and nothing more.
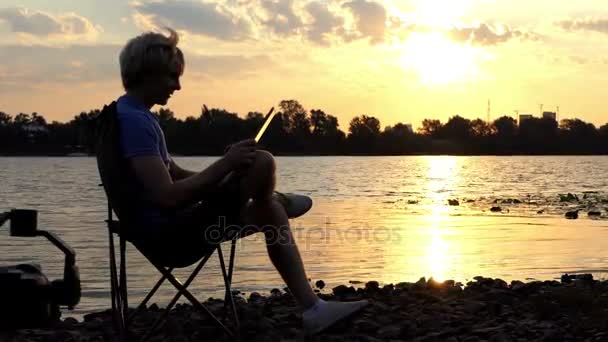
(162, 86)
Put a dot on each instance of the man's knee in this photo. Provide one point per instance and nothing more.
(264, 164)
(261, 177)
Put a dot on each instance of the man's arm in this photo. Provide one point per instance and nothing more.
(168, 193)
(177, 172)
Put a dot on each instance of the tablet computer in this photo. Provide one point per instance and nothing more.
(269, 118)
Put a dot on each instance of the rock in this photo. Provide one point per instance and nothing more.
(70, 321)
(517, 285)
(552, 335)
(453, 202)
(320, 284)
(255, 296)
(343, 290)
(500, 284)
(434, 284)
(366, 325)
(403, 286)
(568, 198)
(496, 209)
(275, 292)
(390, 332)
(412, 202)
(372, 286)
(542, 211)
(420, 284)
(388, 289)
(571, 215)
(594, 213)
(474, 307)
(499, 337)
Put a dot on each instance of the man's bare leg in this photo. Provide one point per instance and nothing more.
(269, 216)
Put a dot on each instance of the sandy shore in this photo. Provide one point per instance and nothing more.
(575, 308)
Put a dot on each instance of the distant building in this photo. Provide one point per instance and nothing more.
(34, 128)
(524, 117)
(550, 115)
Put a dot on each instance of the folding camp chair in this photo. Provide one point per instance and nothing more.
(119, 291)
(115, 174)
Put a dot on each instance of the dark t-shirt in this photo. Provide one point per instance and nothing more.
(141, 135)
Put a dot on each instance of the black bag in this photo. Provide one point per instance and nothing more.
(113, 169)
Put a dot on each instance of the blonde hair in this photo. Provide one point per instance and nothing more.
(148, 54)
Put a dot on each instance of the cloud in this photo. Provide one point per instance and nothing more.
(281, 17)
(223, 66)
(78, 64)
(370, 19)
(41, 24)
(212, 20)
(488, 35)
(73, 64)
(585, 24)
(324, 22)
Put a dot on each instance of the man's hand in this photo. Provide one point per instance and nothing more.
(241, 154)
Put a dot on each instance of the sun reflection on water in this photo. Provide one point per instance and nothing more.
(442, 177)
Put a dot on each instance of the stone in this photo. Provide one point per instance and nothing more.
(343, 290)
(390, 332)
(372, 286)
(571, 215)
(453, 202)
(496, 209)
(320, 284)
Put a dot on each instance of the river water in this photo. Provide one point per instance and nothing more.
(374, 218)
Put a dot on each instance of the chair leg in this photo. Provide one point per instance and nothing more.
(117, 313)
(182, 290)
(227, 284)
(123, 282)
(230, 267)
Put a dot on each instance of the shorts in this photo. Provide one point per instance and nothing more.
(195, 231)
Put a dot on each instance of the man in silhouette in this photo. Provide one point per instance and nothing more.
(185, 210)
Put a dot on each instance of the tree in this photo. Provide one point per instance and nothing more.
(578, 136)
(22, 119)
(325, 133)
(296, 124)
(397, 139)
(295, 119)
(430, 127)
(505, 127)
(538, 136)
(457, 128)
(480, 128)
(5, 119)
(364, 133)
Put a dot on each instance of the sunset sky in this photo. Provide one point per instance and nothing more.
(401, 61)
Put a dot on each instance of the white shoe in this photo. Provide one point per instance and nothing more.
(295, 205)
(324, 314)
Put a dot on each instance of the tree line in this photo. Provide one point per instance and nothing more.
(296, 131)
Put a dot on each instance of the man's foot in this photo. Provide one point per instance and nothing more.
(324, 314)
(295, 205)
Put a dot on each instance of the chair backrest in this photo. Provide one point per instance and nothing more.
(116, 175)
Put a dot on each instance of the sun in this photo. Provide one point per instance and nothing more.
(437, 60)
